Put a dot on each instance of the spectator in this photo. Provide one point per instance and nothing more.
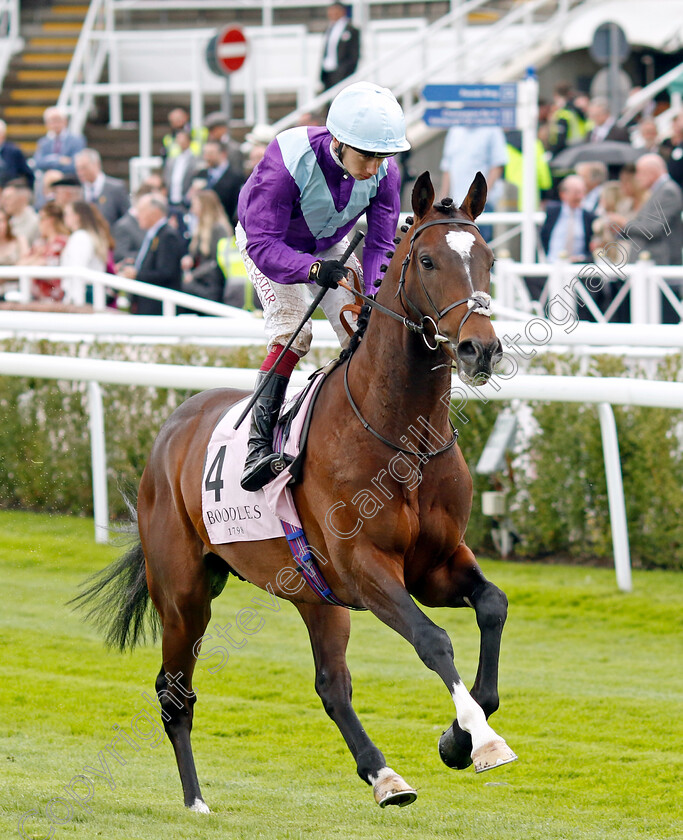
(16, 202)
(216, 127)
(57, 148)
(646, 137)
(47, 187)
(594, 175)
(672, 150)
(154, 182)
(87, 247)
(341, 49)
(12, 247)
(178, 175)
(158, 260)
(128, 234)
(604, 124)
(632, 195)
(110, 195)
(566, 123)
(47, 251)
(12, 161)
(567, 230)
(611, 200)
(178, 120)
(514, 171)
(202, 273)
(66, 190)
(657, 226)
(221, 178)
(467, 151)
(256, 142)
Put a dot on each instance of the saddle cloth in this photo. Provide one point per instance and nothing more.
(232, 514)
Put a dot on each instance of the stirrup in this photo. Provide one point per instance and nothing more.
(264, 471)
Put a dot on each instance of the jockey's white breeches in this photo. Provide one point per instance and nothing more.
(284, 306)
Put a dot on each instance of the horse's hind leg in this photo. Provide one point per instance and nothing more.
(328, 628)
(180, 589)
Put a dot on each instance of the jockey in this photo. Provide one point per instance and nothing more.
(295, 212)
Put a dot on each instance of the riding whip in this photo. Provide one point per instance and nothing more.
(355, 241)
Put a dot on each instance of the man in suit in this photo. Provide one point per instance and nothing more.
(57, 148)
(110, 195)
(657, 226)
(127, 233)
(604, 124)
(217, 128)
(179, 172)
(567, 230)
(594, 174)
(341, 49)
(158, 260)
(221, 177)
(12, 161)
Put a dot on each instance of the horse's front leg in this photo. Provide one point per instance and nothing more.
(383, 592)
(456, 584)
(328, 628)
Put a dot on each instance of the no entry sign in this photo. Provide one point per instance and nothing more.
(231, 49)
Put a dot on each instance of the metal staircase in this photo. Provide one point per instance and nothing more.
(36, 74)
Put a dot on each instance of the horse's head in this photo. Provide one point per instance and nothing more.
(445, 279)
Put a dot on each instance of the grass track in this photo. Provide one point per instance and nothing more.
(591, 701)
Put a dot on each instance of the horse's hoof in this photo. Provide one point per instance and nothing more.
(494, 754)
(199, 807)
(454, 752)
(393, 790)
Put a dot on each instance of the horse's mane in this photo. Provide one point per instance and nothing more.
(362, 325)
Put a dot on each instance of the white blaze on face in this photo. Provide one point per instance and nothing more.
(461, 241)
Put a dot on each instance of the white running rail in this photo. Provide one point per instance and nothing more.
(603, 392)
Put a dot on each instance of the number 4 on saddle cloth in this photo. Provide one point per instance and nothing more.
(232, 514)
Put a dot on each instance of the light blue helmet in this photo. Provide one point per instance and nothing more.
(368, 117)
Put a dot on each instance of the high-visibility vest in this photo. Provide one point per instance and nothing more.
(575, 129)
(231, 264)
(197, 139)
(514, 170)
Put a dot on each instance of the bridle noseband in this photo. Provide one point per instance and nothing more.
(477, 302)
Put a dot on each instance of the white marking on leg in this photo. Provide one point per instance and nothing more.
(471, 717)
(461, 241)
(200, 807)
(381, 774)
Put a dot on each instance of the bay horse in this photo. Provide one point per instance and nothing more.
(388, 514)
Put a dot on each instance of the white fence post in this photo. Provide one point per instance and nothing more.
(98, 457)
(615, 494)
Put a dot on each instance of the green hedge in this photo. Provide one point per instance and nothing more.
(556, 486)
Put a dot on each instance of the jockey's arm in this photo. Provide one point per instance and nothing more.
(382, 216)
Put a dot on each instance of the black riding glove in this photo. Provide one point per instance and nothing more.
(327, 273)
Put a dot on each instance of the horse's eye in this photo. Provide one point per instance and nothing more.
(427, 263)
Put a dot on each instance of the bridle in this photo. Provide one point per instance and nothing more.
(477, 302)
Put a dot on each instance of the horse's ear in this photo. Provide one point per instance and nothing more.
(423, 195)
(475, 201)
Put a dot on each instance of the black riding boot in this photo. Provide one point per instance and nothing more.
(262, 464)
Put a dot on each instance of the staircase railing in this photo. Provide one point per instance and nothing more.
(460, 64)
(10, 42)
(476, 51)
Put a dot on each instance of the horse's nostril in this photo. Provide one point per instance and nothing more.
(497, 354)
(469, 351)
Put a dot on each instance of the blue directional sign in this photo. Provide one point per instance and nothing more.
(479, 94)
(472, 117)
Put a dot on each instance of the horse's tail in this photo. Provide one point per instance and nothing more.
(117, 600)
